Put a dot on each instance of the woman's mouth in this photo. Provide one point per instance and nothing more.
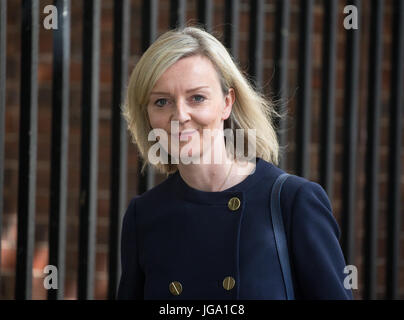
(186, 133)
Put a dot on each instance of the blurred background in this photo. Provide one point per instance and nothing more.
(68, 168)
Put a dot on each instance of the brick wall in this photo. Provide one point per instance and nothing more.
(9, 231)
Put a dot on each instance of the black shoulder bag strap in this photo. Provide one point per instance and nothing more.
(280, 235)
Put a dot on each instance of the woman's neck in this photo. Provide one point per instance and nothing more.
(215, 177)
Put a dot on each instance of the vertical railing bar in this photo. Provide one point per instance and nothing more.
(394, 164)
(303, 126)
(177, 13)
(255, 54)
(89, 148)
(327, 137)
(372, 151)
(281, 55)
(205, 14)
(3, 43)
(350, 136)
(27, 148)
(149, 25)
(59, 149)
(231, 26)
(119, 141)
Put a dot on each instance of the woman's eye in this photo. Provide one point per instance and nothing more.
(199, 98)
(162, 104)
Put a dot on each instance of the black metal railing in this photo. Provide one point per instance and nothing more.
(3, 25)
(27, 148)
(59, 145)
(394, 183)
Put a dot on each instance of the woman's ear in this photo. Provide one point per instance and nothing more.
(229, 100)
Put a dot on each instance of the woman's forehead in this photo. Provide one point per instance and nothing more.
(189, 73)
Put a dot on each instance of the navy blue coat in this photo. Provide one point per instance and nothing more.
(174, 232)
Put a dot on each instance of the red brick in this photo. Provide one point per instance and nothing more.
(8, 258)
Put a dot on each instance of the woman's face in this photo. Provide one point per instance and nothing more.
(188, 98)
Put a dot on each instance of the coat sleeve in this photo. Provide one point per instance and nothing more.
(132, 278)
(318, 261)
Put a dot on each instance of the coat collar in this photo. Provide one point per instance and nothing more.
(186, 192)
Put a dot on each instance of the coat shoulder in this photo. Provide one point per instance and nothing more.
(292, 183)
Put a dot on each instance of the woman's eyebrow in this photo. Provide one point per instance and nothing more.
(189, 90)
(197, 88)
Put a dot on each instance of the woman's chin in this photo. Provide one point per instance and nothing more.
(188, 155)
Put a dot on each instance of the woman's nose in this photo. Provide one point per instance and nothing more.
(181, 112)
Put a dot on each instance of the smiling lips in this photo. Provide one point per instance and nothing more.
(185, 133)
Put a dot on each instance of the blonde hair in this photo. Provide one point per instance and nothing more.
(251, 109)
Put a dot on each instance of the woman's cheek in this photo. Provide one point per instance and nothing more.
(156, 120)
(206, 117)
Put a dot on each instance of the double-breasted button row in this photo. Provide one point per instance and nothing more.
(234, 203)
(228, 283)
(175, 287)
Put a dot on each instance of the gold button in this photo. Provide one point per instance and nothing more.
(228, 283)
(234, 203)
(175, 288)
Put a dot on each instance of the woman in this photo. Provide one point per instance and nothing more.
(205, 232)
